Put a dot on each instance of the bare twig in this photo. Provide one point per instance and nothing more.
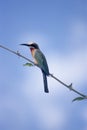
(16, 53)
(68, 86)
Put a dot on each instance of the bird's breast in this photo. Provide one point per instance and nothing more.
(33, 51)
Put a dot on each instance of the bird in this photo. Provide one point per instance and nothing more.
(40, 61)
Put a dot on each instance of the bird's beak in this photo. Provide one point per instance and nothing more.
(25, 44)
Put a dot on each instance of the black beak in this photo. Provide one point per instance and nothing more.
(25, 44)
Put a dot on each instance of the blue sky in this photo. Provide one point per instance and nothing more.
(60, 29)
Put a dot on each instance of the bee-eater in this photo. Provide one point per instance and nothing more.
(40, 60)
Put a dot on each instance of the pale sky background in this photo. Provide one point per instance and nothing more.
(60, 29)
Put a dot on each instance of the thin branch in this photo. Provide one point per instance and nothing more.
(68, 86)
(16, 53)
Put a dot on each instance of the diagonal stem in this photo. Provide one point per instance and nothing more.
(68, 86)
(16, 53)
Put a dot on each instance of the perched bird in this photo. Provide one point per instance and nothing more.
(40, 60)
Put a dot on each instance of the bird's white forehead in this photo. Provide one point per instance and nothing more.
(30, 43)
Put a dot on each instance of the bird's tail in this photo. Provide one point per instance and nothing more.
(45, 82)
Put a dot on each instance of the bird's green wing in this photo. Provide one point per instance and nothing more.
(39, 56)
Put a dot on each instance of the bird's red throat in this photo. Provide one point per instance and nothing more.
(32, 49)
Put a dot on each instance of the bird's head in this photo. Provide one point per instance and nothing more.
(32, 45)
